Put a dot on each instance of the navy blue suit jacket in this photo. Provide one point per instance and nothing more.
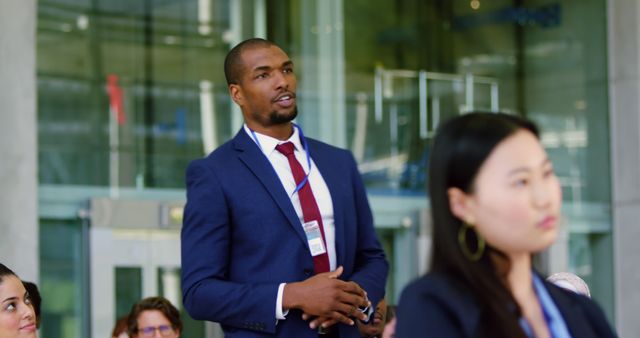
(241, 238)
(433, 306)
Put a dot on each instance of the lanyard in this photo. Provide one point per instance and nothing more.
(303, 140)
(552, 316)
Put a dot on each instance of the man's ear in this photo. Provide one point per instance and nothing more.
(235, 91)
(460, 204)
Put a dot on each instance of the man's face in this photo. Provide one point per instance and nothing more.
(266, 91)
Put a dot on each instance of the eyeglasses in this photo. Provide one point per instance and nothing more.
(165, 330)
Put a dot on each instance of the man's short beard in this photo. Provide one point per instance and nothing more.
(275, 118)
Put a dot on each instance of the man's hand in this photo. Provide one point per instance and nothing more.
(325, 322)
(325, 296)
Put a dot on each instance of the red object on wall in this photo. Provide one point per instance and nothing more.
(115, 93)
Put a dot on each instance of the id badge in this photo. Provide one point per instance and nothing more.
(314, 237)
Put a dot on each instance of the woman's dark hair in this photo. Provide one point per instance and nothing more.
(36, 299)
(154, 303)
(461, 146)
(5, 271)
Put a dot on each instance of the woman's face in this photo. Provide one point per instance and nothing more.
(153, 323)
(516, 198)
(17, 319)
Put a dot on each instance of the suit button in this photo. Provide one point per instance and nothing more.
(307, 272)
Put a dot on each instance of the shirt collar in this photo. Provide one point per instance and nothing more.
(268, 144)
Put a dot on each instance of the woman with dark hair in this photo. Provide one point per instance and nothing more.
(17, 318)
(36, 299)
(154, 314)
(495, 201)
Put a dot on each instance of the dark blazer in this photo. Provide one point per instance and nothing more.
(241, 238)
(433, 306)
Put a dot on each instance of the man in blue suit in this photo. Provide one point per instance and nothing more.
(278, 237)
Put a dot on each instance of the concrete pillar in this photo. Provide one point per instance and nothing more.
(18, 139)
(624, 106)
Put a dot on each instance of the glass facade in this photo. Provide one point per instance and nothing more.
(62, 279)
(120, 86)
(130, 91)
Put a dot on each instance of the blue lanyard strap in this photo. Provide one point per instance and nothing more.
(555, 322)
(303, 140)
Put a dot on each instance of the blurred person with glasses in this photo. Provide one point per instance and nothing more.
(154, 317)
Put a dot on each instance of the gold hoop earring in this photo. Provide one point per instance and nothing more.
(462, 241)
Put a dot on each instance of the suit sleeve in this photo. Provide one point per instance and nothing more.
(419, 314)
(208, 294)
(371, 266)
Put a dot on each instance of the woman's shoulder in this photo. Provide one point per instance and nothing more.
(434, 284)
(590, 312)
(569, 298)
(435, 303)
(439, 290)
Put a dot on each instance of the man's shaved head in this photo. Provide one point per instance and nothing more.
(233, 65)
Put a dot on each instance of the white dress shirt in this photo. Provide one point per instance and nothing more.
(319, 187)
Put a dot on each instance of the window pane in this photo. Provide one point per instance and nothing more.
(128, 289)
(61, 279)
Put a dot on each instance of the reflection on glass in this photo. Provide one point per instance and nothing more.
(141, 128)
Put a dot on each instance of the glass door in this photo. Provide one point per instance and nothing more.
(135, 253)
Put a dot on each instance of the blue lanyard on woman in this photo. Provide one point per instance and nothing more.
(303, 140)
(552, 316)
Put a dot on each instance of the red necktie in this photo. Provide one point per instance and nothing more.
(310, 210)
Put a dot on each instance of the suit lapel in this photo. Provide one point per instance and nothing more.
(254, 159)
(334, 180)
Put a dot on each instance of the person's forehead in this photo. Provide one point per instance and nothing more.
(11, 286)
(521, 149)
(152, 315)
(261, 56)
